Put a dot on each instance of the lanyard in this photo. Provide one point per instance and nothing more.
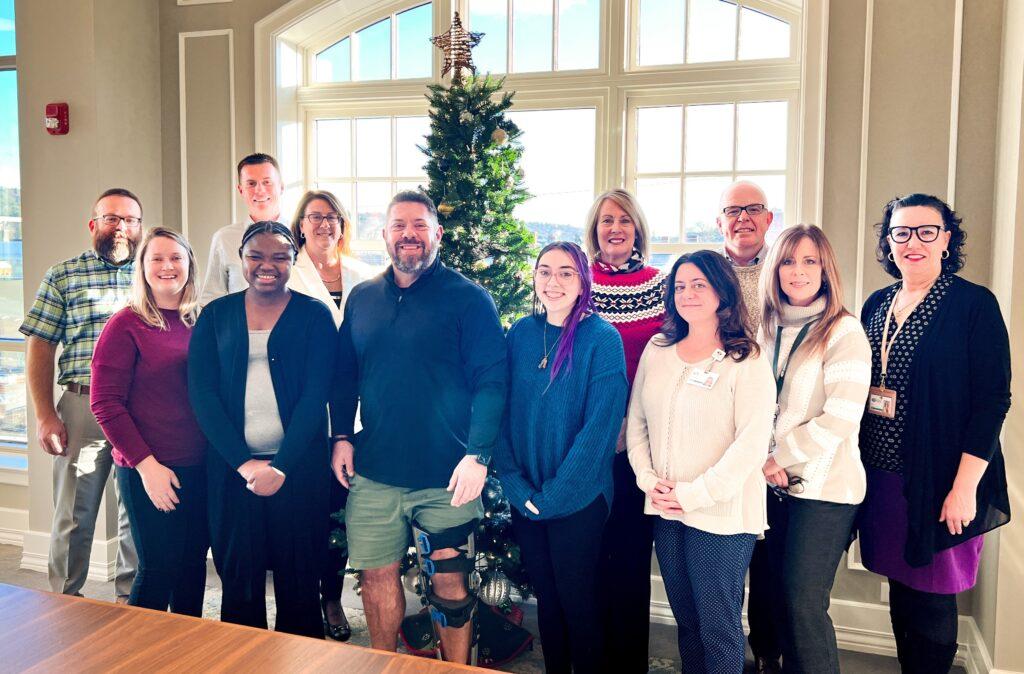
(780, 378)
(886, 343)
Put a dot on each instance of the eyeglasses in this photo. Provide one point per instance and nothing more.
(563, 275)
(925, 233)
(112, 221)
(796, 486)
(751, 209)
(316, 218)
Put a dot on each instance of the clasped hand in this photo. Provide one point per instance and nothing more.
(664, 499)
(260, 478)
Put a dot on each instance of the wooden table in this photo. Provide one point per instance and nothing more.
(44, 632)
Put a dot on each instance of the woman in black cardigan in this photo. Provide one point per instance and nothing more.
(940, 379)
(260, 365)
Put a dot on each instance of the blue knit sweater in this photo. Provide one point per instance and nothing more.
(558, 440)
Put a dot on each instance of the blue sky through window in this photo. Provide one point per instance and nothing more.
(414, 47)
(9, 172)
(7, 47)
(375, 51)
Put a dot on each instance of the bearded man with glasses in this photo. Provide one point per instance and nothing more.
(744, 219)
(74, 301)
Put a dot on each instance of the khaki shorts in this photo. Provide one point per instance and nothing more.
(378, 519)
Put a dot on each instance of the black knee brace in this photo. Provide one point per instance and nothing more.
(447, 612)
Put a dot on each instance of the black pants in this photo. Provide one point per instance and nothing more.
(296, 582)
(791, 576)
(332, 580)
(171, 546)
(560, 557)
(624, 575)
(925, 626)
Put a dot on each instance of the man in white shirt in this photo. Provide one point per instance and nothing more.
(259, 183)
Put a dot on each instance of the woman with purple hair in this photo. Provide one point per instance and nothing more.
(565, 406)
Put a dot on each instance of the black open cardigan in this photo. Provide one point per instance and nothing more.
(959, 395)
(301, 351)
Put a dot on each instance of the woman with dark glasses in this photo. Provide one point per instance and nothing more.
(940, 376)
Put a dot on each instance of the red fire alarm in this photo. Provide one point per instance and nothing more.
(57, 119)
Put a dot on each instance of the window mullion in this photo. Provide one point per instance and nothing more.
(554, 35)
(394, 46)
(735, 137)
(353, 57)
(686, 30)
(736, 40)
(682, 175)
(510, 36)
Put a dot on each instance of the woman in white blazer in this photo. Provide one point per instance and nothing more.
(325, 270)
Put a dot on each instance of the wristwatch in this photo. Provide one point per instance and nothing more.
(481, 459)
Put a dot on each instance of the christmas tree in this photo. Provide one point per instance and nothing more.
(473, 154)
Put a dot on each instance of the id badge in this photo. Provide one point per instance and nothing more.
(702, 379)
(882, 402)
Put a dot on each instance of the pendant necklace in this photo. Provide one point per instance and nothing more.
(547, 352)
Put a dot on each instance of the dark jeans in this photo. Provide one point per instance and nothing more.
(624, 575)
(171, 546)
(560, 556)
(296, 582)
(925, 626)
(791, 576)
(703, 574)
(332, 580)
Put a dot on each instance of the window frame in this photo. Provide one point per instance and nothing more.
(779, 9)
(733, 96)
(799, 79)
(330, 36)
(17, 476)
(366, 109)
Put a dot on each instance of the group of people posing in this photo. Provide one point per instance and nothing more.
(731, 412)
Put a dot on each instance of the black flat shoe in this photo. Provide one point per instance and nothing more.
(340, 632)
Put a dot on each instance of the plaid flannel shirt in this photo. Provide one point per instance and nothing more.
(72, 304)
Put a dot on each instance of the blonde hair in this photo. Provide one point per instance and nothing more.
(346, 223)
(772, 296)
(626, 202)
(142, 301)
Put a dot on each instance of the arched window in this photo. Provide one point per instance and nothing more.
(672, 99)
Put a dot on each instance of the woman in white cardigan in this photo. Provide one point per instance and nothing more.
(822, 364)
(324, 270)
(699, 424)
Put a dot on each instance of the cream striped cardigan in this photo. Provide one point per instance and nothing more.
(821, 406)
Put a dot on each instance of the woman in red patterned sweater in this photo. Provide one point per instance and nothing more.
(630, 295)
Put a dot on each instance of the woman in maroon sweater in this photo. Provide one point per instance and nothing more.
(630, 295)
(140, 399)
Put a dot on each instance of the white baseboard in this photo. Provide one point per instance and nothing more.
(35, 554)
(865, 628)
(13, 522)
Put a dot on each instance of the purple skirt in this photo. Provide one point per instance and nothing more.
(883, 533)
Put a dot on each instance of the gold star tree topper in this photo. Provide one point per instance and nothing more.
(457, 43)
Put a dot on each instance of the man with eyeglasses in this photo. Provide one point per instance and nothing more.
(744, 219)
(422, 350)
(74, 301)
(260, 185)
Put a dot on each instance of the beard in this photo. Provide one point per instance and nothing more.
(415, 262)
(115, 247)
